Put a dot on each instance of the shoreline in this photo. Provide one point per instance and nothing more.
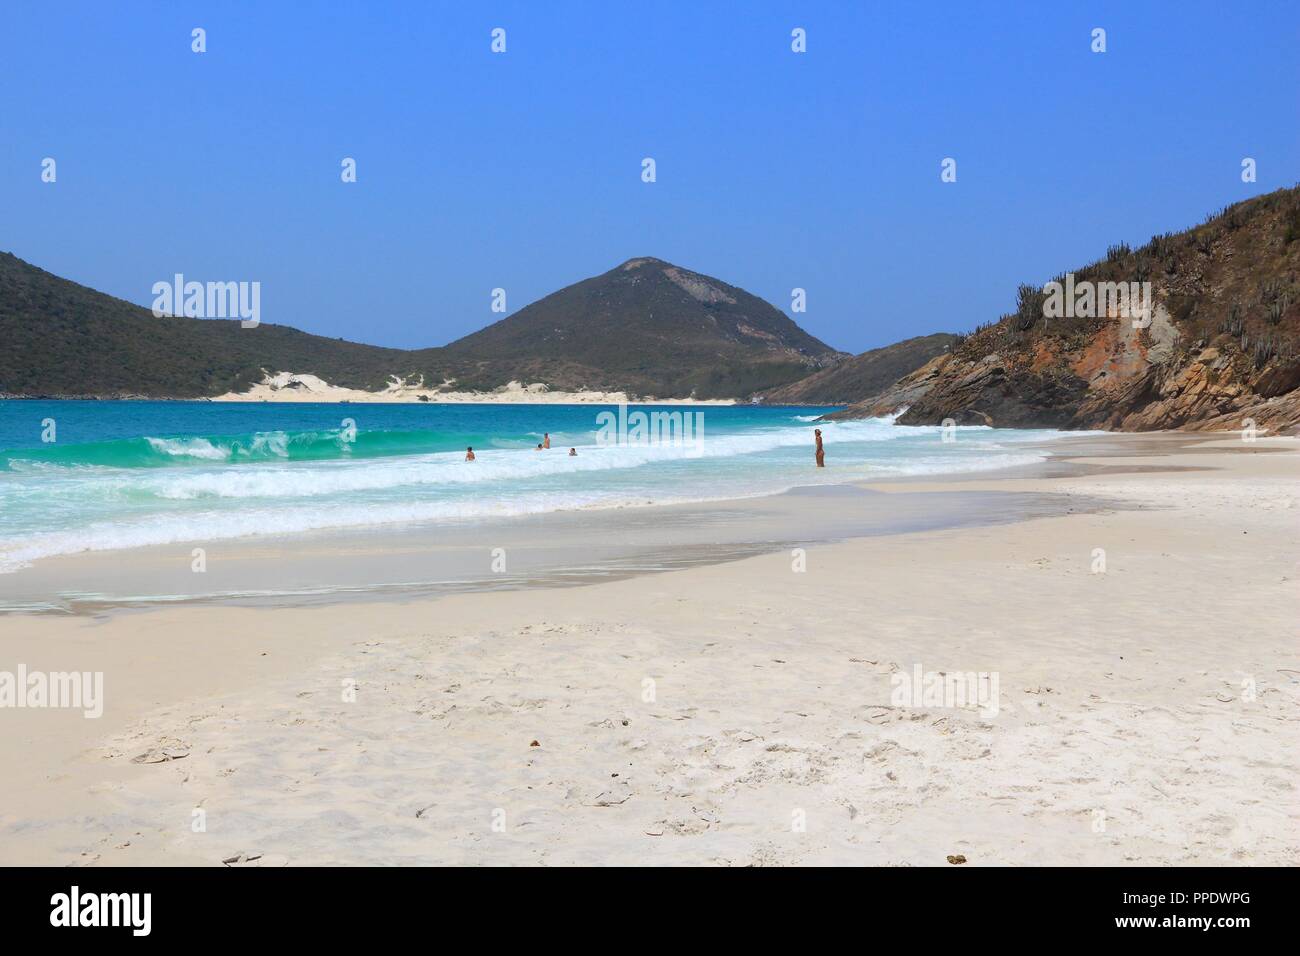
(549, 548)
(559, 548)
(554, 549)
(1123, 702)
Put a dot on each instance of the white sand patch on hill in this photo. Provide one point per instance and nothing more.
(302, 387)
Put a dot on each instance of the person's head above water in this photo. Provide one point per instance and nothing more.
(573, 451)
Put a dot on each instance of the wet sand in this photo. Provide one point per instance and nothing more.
(552, 550)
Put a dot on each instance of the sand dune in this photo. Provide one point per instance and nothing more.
(302, 387)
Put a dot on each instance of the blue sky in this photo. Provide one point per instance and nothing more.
(522, 170)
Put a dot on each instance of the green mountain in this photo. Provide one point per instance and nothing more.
(63, 339)
(649, 327)
(863, 375)
(646, 327)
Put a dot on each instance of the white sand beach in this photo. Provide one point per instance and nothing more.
(738, 713)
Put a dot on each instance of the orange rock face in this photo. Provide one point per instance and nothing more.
(1219, 351)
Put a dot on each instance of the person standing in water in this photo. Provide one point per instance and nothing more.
(546, 439)
(821, 452)
(469, 453)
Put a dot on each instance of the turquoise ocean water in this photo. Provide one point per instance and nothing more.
(129, 474)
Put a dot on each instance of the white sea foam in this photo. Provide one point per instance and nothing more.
(306, 479)
(55, 510)
(189, 448)
(254, 522)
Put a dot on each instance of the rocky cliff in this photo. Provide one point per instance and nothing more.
(1195, 330)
